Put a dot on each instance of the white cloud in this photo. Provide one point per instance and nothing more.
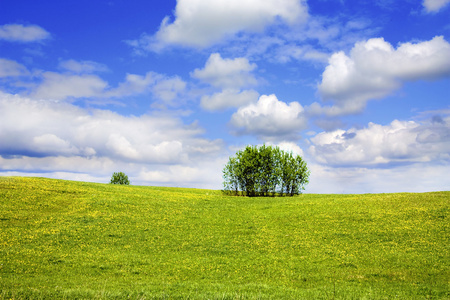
(79, 83)
(52, 145)
(270, 119)
(168, 89)
(203, 174)
(403, 156)
(36, 126)
(378, 145)
(201, 23)
(82, 66)
(10, 68)
(21, 33)
(162, 87)
(228, 98)
(40, 136)
(226, 73)
(231, 76)
(416, 177)
(374, 69)
(435, 5)
(57, 86)
(134, 84)
(285, 53)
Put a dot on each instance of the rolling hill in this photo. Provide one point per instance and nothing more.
(66, 239)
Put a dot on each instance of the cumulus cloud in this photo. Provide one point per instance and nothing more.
(270, 119)
(231, 76)
(435, 5)
(378, 145)
(202, 23)
(40, 135)
(23, 33)
(375, 69)
(226, 73)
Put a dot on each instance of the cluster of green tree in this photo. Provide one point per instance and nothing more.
(265, 171)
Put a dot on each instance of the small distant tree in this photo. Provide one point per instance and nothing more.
(119, 178)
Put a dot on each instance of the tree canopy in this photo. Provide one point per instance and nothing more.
(265, 171)
(119, 178)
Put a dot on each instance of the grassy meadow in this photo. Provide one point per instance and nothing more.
(76, 240)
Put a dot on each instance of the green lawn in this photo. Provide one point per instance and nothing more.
(65, 240)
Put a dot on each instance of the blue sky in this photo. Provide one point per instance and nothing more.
(166, 91)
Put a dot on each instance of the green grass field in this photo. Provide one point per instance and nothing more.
(75, 240)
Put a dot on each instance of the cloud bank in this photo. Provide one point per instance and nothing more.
(401, 142)
(39, 135)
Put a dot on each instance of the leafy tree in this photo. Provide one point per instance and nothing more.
(247, 168)
(294, 174)
(230, 175)
(119, 178)
(265, 171)
(268, 169)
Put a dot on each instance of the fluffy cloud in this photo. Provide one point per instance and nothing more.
(39, 136)
(374, 69)
(229, 75)
(378, 145)
(270, 119)
(226, 73)
(201, 23)
(21, 33)
(435, 5)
